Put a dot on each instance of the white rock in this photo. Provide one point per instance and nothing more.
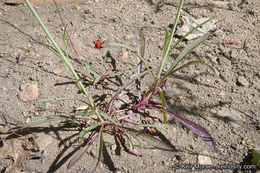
(204, 160)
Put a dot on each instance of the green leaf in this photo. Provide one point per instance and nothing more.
(185, 51)
(163, 106)
(103, 114)
(51, 49)
(188, 33)
(90, 69)
(137, 139)
(63, 123)
(99, 151)
(123, 45)
(166, 41)
(104, 55)
(45, 119)
(97, 80)
(64, 59)
(169, 42)
(150, 125)
(150, 139)
(86, 130)
(59, 99)
(256, 157)
(86, 113)
(131, 145)
(193, 63)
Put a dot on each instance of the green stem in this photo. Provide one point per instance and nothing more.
(62, 56)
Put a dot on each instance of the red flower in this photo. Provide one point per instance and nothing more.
(98, 44)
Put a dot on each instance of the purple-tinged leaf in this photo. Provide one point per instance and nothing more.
(80, 152)
(125, 116)
(131, 147)
(197, 129)
(159, 88)
(143, 102)
(99, 150)
(148, 96)
(135, 152)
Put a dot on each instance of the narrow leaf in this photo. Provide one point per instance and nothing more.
(137, 139)
(150, 125)
(80, 152)
(45, 119)
(97, 80)
(123, 45)
(193, 63)
(86, 130)
(104, 55)
(163, 106)
(99, 151)
(166, 41)
(188, 33)
(150, 139)
(103, 114)
(51, 49)
(85, 113)
(197, 129)
(59, 99)
(140, 50)
(131, 147)
(90, 69)
(185, 51)
(167, 48)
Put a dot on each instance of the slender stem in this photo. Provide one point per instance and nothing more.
(62, 56)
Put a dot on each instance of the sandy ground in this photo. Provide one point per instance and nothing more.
(193, 92)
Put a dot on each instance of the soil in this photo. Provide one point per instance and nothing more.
(209, 100)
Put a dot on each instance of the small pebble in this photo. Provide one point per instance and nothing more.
(113, 147)
(242, 81)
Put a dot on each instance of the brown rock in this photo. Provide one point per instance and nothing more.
(29, 92)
